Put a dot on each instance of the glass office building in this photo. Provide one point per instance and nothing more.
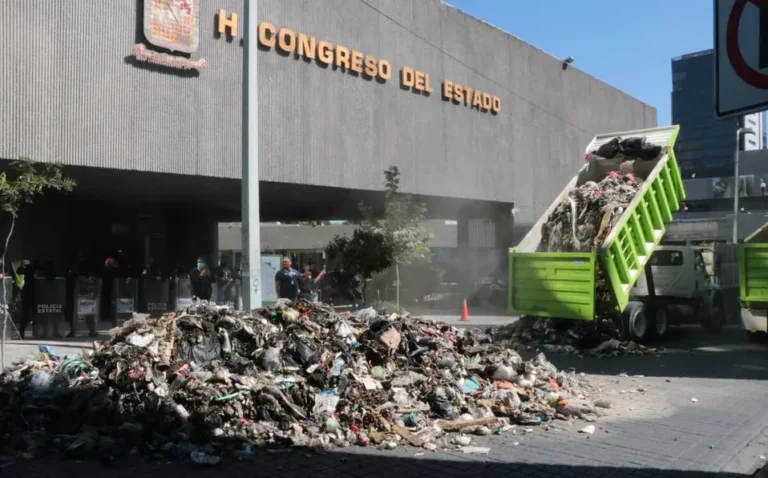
(706, 144)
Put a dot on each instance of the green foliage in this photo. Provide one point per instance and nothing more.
(399, 237)
(27, 180)
(402, 223)
(355, 259)
(24, 181)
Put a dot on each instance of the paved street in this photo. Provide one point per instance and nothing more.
(654, 428)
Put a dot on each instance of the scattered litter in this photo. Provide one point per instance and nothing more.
(45, 349)
(694, 400)
(602, 403)
(462, 440)
(476, 450)
(204, 459)
(589, 430)
(598, 338)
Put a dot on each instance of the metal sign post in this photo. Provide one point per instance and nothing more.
(251, 230)
(741, 57)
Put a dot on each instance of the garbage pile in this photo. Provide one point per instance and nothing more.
(600, 337)
(199, 383)
(582, 221)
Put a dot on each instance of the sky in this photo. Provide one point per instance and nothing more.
(628, 44)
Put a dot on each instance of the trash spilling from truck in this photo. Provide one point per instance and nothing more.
(585, 218)
(598, 338)
(579, 265)
(210, 381)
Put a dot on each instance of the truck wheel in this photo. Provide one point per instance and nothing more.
(660, 322)
(637, 327)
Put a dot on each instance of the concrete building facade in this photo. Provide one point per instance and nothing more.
(141, 100)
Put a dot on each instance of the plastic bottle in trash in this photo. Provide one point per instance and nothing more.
(226, 345)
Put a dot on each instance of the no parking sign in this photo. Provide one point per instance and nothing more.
(741, 57)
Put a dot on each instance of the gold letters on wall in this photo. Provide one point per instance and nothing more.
(325, 53)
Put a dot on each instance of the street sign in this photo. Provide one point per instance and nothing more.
(741, 57)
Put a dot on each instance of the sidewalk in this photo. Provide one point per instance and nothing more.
(16, 349)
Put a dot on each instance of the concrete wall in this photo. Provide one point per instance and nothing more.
(295, 237)
(72, 93)
(712, 226)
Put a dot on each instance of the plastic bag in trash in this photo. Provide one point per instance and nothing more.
(41, 382)
(366, 314)
(325, 403)
(202, 458)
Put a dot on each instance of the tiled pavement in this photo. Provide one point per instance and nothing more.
(654, 429)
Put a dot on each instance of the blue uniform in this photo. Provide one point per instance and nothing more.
(288, 283)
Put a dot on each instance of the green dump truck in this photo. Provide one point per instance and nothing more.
(564, 284)
(753, 283)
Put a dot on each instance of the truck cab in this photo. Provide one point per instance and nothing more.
(683, 291)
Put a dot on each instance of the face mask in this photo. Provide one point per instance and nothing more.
(200, 266)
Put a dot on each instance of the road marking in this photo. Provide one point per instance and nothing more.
(733, 348)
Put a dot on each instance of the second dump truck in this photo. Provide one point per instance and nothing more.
(753, 283)
(565, 284)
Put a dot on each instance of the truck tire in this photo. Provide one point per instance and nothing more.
(637, 327)
(661, 321)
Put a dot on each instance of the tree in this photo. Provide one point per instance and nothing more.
(402, 225)
(354, 260)
(21, 184)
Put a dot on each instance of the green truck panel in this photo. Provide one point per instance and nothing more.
(554, 284)
(641, 227)
(753, 273)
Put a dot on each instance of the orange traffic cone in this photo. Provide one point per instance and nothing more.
(465, 312)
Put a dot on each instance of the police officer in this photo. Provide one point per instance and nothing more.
(202, 279)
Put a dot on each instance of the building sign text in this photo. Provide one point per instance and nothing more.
(301, 45)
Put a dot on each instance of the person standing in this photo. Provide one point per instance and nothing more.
(69, 307)
(49, 274)
(202, 280)
(287, 281)
(108, 277)
(308, 284)
(25, 285)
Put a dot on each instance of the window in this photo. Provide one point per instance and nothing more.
(667, 258)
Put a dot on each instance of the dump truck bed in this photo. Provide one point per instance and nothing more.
(563, 284)
(753, 269)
